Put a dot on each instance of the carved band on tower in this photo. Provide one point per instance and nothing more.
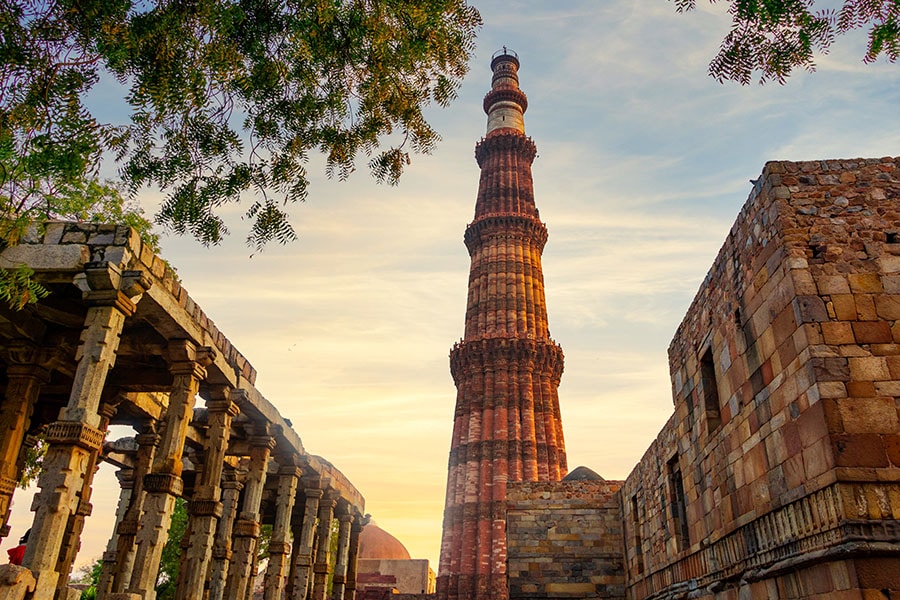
(506, 369)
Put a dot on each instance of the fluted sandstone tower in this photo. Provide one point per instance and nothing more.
(506, 369)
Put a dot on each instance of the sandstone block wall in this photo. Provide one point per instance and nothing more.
(565, 540)
(779, 472)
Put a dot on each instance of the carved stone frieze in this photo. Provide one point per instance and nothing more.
(246, 528)
(207, 508)
(77, 434)
(166, 483)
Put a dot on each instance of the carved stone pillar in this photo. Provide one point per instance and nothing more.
(343, 554)
(198, 460)
(221, 554)
(205, 509)
(72, 439)
(126, 530)
(107, 570)
(322, 566)
(304, 545)
(296, 527)
(75, 524)
(352, 560)
(246, 529)
(28, 370)
(279, 547)
(163, 485)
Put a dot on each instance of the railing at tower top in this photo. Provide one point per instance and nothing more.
(504, 51)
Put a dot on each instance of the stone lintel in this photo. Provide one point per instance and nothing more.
(70, 257)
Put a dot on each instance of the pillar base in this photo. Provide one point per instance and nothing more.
(15, 582)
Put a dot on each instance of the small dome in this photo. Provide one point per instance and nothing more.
(375, 542)
(582, 474)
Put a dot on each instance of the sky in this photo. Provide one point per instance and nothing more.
(643, 164)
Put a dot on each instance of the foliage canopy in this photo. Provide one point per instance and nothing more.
(773, 37)
(222, 97)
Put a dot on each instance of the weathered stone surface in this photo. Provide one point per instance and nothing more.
(46, 258)
(744, 494)
(575, 523)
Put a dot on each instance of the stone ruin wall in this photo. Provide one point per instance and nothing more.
(783, 451)
(564, 540)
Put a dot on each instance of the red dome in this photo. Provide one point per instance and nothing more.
(375, 542)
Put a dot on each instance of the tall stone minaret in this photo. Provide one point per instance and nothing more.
(506, 369)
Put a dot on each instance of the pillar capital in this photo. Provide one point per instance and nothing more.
(314, 492)
(145, 440)
(186, 358)
(105, 284)
(329, 499)
(108, 410)
(188, 351)
(221, 552)
(127, 526)
(27, 359)
(246, 528)
(262, 441)
(290, 471)
(125, 475)
(223, 406)
(260, 452)
(279, 548)
(233, 484)
(238, 396)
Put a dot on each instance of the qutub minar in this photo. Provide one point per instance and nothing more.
(506, 369)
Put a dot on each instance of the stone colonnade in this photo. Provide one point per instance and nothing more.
(126, 346)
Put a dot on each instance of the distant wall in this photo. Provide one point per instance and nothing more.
(411, 576)
(565, 540)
